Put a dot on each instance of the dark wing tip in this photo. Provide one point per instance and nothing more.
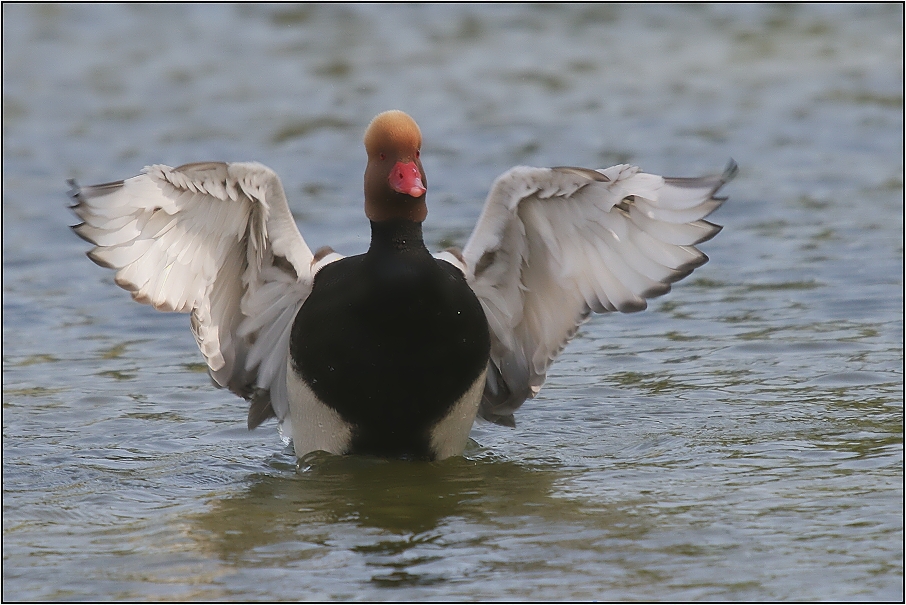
(678, 274)
(77, 229)
(714, 182)
(260, 408)
(695, 264)
(507, 420)
(74, 191)
(634, 306)
(730, 171)
(92, 254)
(586, 172)
(715, 229)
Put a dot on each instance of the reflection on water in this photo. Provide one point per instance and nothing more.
(398, 524)
(396, 497)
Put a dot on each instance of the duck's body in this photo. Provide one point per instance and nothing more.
(393, 343)
(393, 352)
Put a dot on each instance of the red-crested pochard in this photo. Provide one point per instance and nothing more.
(393, 352)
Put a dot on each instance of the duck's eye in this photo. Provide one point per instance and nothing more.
(382, 156)
(418, 153)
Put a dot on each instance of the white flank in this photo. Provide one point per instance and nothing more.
(450, 435)
(316, 426)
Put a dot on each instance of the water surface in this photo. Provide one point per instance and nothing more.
(741, 439)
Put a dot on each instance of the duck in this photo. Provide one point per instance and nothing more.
(395, 352)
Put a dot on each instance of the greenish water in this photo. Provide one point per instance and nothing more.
(740, 440)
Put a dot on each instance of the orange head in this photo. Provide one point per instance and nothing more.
(395, 182)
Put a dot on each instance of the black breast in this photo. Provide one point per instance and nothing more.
(390, 339)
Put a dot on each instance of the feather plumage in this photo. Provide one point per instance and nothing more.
(554, 244)
(217, 240)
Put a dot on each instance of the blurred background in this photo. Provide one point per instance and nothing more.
(741, 439)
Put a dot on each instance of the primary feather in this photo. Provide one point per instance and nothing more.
(217, 240)
(554, 244)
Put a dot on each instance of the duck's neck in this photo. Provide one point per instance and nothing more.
(396, 235)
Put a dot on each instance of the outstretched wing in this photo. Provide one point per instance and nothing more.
(217, 240)
(554, 244)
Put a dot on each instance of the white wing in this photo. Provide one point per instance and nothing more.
(217, 240)
(554, 244)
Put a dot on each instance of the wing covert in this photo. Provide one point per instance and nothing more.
(216, 240)
(554, 244)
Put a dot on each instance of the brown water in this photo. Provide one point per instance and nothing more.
(741, 439)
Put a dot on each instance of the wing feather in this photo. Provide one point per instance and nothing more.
(554, 244)
(216, 240)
